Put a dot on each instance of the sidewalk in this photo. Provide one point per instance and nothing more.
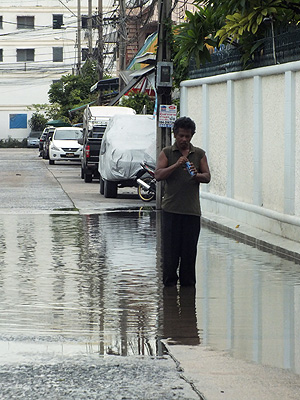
(217, 375)
(254, 237)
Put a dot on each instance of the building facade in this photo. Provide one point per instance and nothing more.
(38, 44)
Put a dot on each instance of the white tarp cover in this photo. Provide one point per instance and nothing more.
(126, 143)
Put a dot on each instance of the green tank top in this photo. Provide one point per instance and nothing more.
(181, 194)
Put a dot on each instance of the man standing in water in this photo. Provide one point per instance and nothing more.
(183, 167)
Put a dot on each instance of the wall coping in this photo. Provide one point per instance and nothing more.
(262, 71)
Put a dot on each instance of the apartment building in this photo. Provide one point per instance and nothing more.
(38, 44)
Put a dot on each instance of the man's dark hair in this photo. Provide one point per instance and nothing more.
(184, 123)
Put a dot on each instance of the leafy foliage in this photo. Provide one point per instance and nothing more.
(240, 22)
(246, 25)
(48, 111)
(137, 101)
(74, 90)
(245, 6)
(8, 143)
(37, 121)
(194, 37)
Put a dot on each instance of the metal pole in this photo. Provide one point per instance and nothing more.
(122, 42)
(90, 27)
(273, 42)
(78, 36)
(163, 137)
(100, 46)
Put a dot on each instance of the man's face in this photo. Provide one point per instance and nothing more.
(183, 138)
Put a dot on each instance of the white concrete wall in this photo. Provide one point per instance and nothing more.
(247, 122)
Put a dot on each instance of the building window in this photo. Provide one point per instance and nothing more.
(1, 55)
(1, 22)
(17, 121)
(84, 21)
(84, 54)
(57, 21)
(25, 54)
(57, 54)
(25, 22)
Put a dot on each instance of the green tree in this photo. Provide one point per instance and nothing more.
(137, 101)
(246, 25)
(50, 111)
(229, 7)
(37, 122)
(73, 91)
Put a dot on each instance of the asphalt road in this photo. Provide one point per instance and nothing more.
(30, 184)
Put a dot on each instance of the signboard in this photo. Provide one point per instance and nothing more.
(167, 116)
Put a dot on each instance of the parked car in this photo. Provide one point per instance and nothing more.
(125, 145)
(64, 145)
(33, 139)
(95, 119)
(46, 143)
(43, 138)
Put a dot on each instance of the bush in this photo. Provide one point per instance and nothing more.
(8, 143)
(37, 122)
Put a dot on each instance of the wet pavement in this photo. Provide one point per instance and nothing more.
(80, 309)
(83, 314)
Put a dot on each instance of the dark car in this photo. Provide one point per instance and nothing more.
(46, 143)
(41, 141)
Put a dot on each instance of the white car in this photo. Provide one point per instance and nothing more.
(64, 145)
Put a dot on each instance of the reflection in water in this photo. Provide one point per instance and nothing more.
(85, 278)
(179, 316)
(86, 284)
(248, 302)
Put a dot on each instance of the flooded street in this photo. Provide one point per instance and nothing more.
(95, 280)
(83, 314)
(77, 291)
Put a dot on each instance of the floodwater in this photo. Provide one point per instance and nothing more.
(85, 284)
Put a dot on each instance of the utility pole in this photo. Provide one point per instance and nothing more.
(90, 27)
(100, 46)
(163, 137)
(122, 41)
(78, 37)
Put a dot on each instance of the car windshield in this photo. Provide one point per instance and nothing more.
(35, 134)
(68, 134)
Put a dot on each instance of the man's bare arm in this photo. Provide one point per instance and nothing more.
(163, 171)
(204, 175)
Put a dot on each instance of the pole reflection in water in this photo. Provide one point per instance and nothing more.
(80, 279)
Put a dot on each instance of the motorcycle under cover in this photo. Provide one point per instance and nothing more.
(125, 144)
